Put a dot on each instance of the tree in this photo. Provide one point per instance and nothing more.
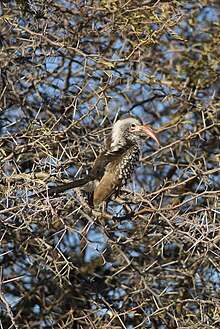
(68, 70)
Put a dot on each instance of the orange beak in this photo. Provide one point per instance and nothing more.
(147, 131)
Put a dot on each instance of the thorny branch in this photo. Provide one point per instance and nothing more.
(150, 259)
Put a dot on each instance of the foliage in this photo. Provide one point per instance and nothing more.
(68, 70)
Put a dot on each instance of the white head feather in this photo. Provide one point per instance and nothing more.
(118, 130)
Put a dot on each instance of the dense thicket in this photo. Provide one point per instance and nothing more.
(68, 70)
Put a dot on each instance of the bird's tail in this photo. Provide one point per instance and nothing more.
(53, 191)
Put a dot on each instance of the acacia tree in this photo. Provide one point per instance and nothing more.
(68, 70)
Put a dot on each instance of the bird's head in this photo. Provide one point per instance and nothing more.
(131, 130)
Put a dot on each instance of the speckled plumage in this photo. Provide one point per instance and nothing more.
(123, 155)
(128, 163)
(117, 173)
(114, 167)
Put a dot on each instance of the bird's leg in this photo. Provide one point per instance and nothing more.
(127, 207)
(124, 204)
(104, 206)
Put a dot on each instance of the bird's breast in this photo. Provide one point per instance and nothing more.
(127, 165)
(117, 173)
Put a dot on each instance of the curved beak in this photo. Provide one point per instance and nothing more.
(147, 131)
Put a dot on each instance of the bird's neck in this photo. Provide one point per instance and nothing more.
(117, 143)
(125, 144)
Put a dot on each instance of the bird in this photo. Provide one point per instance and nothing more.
(114, 167)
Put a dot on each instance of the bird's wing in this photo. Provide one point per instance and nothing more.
(109, 183)
(119, 168)
(110, 155)
(105, 182)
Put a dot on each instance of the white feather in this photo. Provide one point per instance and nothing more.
(117, 130)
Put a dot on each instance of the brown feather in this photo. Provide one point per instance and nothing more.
(113, 168)
(107, 185)
(113, 179)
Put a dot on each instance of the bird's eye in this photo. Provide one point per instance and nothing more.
(133, 125)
